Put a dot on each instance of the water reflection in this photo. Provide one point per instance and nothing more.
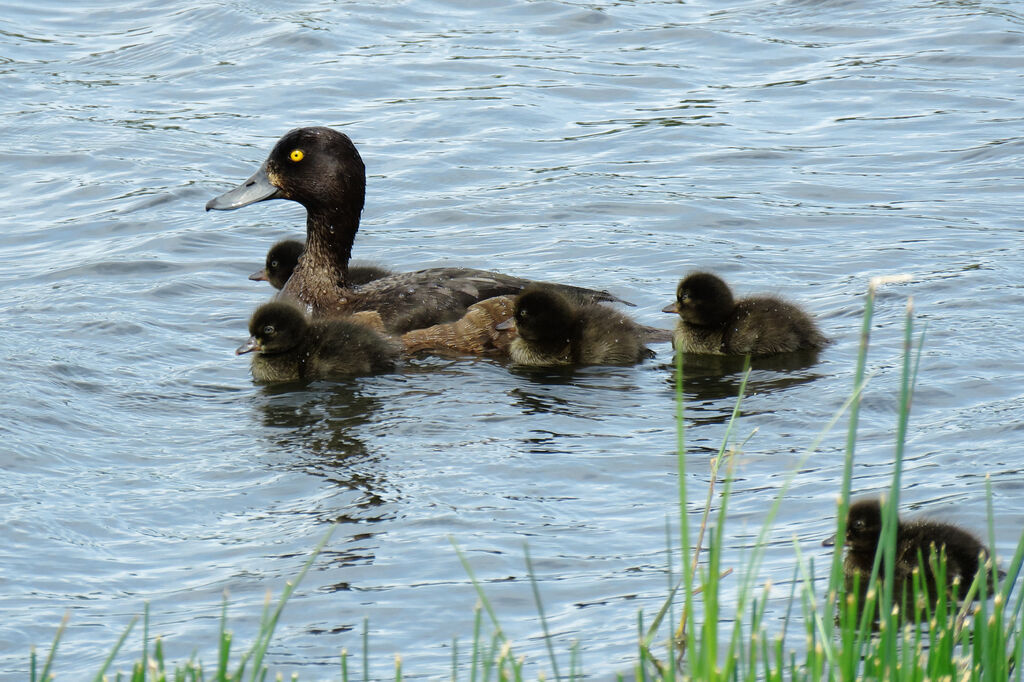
(708, 378)
(580, 392)
(320, 427)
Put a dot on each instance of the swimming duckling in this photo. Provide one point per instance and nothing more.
(557, 329)
(711, 321)
(291, 348)
(284, 256)
(321, 169)
(965, 554)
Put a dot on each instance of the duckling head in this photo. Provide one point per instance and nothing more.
(702, 299)
(318, 167)
(864, 525)
(544, 317)
(275, 327)
(281, 260)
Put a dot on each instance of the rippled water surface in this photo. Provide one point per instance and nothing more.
(795, 147)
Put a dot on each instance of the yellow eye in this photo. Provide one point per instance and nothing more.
(296, 155)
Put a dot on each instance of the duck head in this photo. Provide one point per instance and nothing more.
(275, 327)
(321, 169)
(281, 261)
(318, 167)
(702, 299)
(864, 525)
(544, 318)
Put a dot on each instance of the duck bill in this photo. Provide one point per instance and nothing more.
(671, 308)
(510, 323)
(260, 276)
(256, 188)
(829, 542)
(249, 346)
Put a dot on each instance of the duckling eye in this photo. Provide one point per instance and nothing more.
(269, 330)
(296, 155)
(273, 263)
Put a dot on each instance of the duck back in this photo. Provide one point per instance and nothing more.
(414, 300)
(344, 348)
(607, 337)
(964, 552)
(765, 325)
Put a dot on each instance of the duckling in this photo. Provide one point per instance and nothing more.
(712, 322)
(291, 348)
(284, 256)
(321, 169)
(965, 554)
(557, 329)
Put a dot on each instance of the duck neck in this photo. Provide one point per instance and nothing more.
(555, 347)
(330, 233)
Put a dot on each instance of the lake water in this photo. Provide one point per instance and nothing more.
(795, 147)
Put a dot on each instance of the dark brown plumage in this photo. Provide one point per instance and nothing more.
(288, 347)
(965, 554)
(554, 328)
(283, 256)
(712, 322)
(321, 169)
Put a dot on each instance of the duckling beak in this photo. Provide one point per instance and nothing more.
(671, 308)
(249, 346)
(510, 323)
(256, 188)
(829, 542)
(259, 276)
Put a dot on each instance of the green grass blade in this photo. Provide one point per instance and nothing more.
(540, 612)
(113, 653)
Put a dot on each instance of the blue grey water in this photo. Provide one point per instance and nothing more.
(796, 147)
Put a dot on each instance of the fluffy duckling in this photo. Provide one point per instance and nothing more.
(321, 169)
(965, 553)
(712, 322)
(554, 328)
(291, 348)
(284, 256)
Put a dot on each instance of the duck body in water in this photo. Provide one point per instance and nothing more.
(289, 347)
(283, 256)
(321, 169)
(916, 540)
(712, 322)
(555, 328)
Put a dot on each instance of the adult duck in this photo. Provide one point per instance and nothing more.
(321, 169)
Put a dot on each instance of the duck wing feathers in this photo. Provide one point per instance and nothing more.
(413, 300)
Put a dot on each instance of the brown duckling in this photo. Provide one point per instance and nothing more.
(712, 322)
(284, 256)
(321, 169)
(555, 328)
(965, 554)
(289, 347)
